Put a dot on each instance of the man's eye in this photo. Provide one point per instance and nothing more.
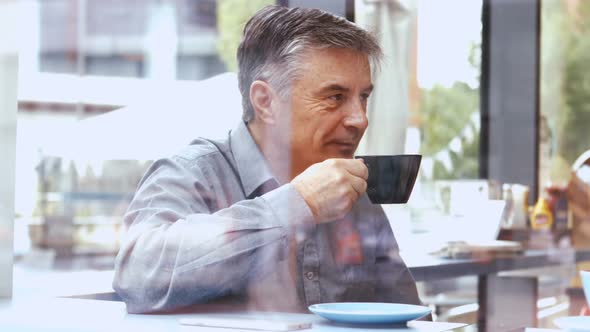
(365, 97)
(337, 97)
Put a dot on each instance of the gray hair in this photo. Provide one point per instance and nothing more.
(275, 38)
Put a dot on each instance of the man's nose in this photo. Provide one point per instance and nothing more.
(356, 116)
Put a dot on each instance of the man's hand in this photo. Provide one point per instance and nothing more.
(331, 187)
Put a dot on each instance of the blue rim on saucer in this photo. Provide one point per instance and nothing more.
(369, 312)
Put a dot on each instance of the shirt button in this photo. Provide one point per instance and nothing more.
(309, 275)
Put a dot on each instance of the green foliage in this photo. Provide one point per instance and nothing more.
(445, 112)
(576, 89)
(575, 135)
(553, 45)
(474, 57)
(232, 15)
(464, 165)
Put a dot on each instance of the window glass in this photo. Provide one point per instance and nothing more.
(105, 87)
(564, 104)
(564, 89)
(8, 79)
(445, 96)
(435, 108)
(435, 52)
(87, 63)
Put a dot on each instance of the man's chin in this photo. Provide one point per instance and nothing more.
(341, 152)
(347, 155)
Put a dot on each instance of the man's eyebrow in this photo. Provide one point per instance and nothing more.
(334, 87)
(340, 88)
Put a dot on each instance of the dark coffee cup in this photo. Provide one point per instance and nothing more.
(391, 178)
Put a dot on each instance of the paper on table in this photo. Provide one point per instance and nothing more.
(246, 324)
(430, 327)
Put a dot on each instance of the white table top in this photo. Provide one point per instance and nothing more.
(64, 314)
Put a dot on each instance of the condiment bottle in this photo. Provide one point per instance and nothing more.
(542, 217)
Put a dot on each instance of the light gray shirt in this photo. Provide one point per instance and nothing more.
(213, 221)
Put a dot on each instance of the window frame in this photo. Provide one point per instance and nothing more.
(510, 118)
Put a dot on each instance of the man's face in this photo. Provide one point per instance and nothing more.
(327, 106)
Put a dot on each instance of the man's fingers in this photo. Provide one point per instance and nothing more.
(356, 167)
(358, 184)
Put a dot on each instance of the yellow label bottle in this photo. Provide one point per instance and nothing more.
(542, 217)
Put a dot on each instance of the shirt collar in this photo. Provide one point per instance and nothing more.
(250, 162)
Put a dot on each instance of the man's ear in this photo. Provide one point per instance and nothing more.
(261, 97)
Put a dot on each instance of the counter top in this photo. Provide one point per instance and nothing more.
(63, 314)
(425, 267)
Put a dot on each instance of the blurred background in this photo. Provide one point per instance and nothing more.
(105, 87)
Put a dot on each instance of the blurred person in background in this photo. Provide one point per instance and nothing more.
(276, 214)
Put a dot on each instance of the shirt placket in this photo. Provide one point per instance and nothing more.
(310, 271)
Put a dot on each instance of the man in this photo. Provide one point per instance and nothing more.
(277, 213)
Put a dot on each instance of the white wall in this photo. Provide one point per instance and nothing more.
(8, 83)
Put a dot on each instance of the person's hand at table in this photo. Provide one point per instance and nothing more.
(330, 188)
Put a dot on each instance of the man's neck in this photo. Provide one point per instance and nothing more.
(277, 155)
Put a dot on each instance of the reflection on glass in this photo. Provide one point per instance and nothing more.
(107, 49)
(97, 79)
(564, 136)
(564, 89)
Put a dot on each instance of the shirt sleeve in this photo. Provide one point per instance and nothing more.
(394, 281)
(178, 251)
